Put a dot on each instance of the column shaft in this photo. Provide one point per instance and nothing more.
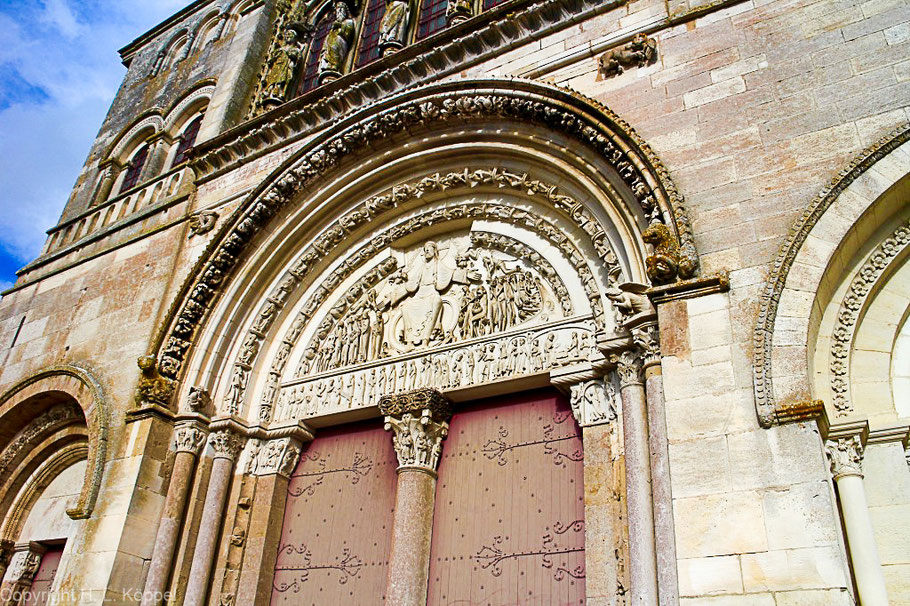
(664, 530)
(642, 557)
(169, 529)
(209, 531)
(867, 568)
(409, 559)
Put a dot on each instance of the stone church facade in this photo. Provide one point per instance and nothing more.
(475, 302)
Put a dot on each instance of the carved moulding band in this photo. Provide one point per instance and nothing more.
(549, 106)
(855, 301)
(96, 417)
(399, 195)
(763, 334)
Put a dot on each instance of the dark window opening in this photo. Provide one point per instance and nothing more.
(311, 71)
(369, 40)
(432, 17)
(134, 168)
(187, 141)
(488, 4)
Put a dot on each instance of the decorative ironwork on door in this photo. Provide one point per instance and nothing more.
(509, 525)
(338, 519)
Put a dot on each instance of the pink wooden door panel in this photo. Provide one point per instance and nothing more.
(44, 579)
(338, 520)
(509, 523)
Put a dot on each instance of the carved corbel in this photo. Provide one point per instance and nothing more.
(153, 389)
(420, 422)
(591, 394)
(639, 52)
(202, 222)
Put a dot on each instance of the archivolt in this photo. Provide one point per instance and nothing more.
(565, 112)
(776, 287)
(84, 388)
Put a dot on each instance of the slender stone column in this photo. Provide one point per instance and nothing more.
(647, 339)
(190, 439)
(111, 169)
(26, 561)
(845, 445)
(642, 556)
(419, 420)
(226, 445)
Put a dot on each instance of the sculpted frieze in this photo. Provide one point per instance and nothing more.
(488, 359)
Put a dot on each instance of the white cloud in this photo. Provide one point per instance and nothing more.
(60, 68)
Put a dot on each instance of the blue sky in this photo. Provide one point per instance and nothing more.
(59, 71)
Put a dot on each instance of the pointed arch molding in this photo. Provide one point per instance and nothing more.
(80, 385)
(565, 112)
(781, 291)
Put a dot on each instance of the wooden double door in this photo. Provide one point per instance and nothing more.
(508, 525)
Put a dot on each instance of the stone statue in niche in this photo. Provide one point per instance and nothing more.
(283, 69)
(442, 293)
(394, 26)
(337, 44)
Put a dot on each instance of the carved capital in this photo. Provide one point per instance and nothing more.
(628, 367)
(225, 444)
(419, 420)
(190, 438)
(415, 402)
(846, 456)
(593, 402)
(647, 340)
(25, 563)
(278, 456)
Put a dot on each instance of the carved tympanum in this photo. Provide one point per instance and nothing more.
(440, 294)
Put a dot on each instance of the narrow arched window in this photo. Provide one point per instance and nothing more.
(187, 141)
(311, 72)
(432, 17)
(134, 169)
(369, 40)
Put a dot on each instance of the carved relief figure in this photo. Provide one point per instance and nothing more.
(337, 44)
(641, 51)
(394, 26)
(663, 265)
(284, 67)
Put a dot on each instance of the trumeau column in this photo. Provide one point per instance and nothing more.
(226, 443)
(189, 437)
(845, 445)
(24, 566)
(419, 421)
(642, 555)
(647, 339)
